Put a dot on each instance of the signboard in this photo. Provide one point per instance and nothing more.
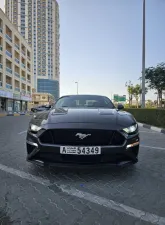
(16, 96)
(119, 98)
(6, 94)
(26, 98)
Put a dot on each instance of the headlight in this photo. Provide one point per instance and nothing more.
(131, 129)
(34, 128)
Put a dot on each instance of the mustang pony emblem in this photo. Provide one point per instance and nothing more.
(82, 136)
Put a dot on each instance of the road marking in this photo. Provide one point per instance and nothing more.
(110, 204)
(24, 175)
(146, 146)
(150, 132)
(22, 132)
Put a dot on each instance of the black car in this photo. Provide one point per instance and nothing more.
(41, 108)
(83, 129)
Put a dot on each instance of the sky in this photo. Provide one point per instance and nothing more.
(101, 44)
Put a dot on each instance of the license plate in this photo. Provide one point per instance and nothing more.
(71, 150)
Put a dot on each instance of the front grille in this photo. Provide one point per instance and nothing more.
(68, 137)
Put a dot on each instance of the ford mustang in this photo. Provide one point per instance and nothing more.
(83, 130)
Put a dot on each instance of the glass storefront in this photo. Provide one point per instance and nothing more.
(2, 104)
(24, 106)
(17, 106)
(9, 106)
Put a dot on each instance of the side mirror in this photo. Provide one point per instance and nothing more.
(120, 107)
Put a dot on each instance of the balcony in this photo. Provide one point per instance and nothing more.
(29, 58)
(9, 86)
(29, 81)
(17, 89)
(29, 69)
(17, 60)
(17, 74)
(23, 91)
(17, 46)
(23, 52)
(23, 65)
(0, 84)
(8, 54)
(8, 70)
(28, 92)
(23, 78)
(8, 38)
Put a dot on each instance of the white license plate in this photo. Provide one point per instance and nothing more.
(71, 150)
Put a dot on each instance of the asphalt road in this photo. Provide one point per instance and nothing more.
(34, 195)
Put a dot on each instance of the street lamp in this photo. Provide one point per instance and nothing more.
(77, 87)
(143, 59)
(140, 79)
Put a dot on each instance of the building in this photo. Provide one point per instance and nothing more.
(38, 22)
(41, 99)
(16, 70)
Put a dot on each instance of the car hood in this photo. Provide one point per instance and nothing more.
(106, 117)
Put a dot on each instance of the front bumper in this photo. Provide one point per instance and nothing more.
(48, 154)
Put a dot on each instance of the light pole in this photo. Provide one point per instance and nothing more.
(140, 79)
(77, 87)
(143, 59)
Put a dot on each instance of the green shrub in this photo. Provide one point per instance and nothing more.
(154, 117)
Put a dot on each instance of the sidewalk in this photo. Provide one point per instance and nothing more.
(3, 114)
(157, 129)
(15, 114)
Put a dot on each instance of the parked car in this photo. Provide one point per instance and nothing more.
(41, 108)
(83, 130)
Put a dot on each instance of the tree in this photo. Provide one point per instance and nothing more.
(155, 78)
(129, 86)
(136, 93)
(149, 103)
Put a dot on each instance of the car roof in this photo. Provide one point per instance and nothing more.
(83, 95)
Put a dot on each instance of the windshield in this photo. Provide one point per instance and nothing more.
(84, 101)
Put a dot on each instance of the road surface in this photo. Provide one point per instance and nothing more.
(34, 195)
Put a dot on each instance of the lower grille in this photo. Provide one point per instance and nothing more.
(81, 159)
(75, 159)
(68, 137)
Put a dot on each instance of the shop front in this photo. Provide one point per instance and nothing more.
(13, 102)
(6, 100)
(2, 104)
(25, 99)
(17, 102)
(24, 106)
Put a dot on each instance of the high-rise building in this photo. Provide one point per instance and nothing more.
(38, 22)
(16, 68)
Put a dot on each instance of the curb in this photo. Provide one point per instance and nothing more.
(15, 114)
(157, 129)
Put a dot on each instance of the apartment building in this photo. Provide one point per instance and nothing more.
(38, 22)
(16, 68)
(39, 99)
